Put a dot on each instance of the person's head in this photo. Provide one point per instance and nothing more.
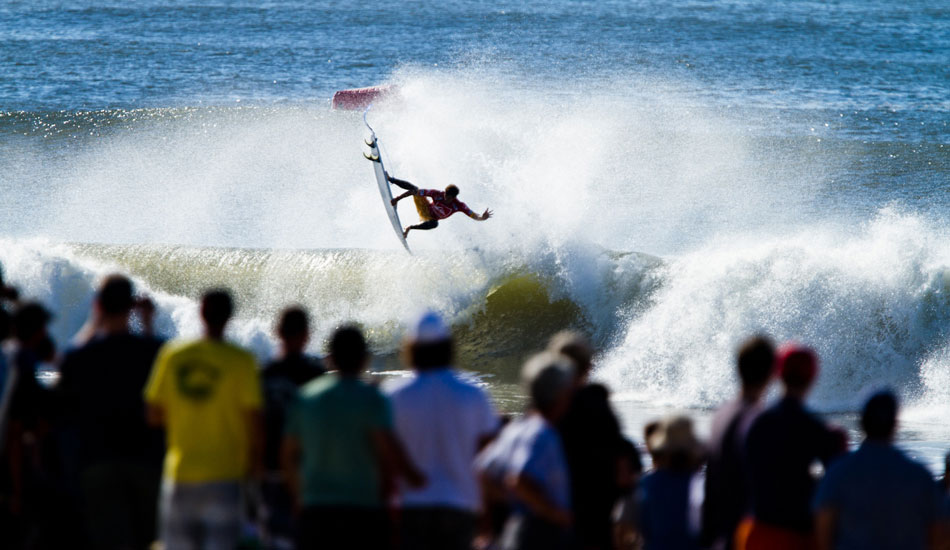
(673, 444)
(797, 366)
(293, 329)
(879, 417)
(29, 324)
(115, 296)
(429, 343)
(216, 310)
(348, 351)
(756, 363)
(576, 347)
(452, 191)
(549, 379)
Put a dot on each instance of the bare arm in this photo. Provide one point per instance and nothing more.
(825, 522)
(480, 217)
(528, 492)
(393, 457)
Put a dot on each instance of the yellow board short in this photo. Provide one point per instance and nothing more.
(422, 207)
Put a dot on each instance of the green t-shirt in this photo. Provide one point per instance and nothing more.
(333, 419)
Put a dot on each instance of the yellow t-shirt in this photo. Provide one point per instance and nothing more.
(206, 388)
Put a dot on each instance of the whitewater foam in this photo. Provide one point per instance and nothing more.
(874, 305)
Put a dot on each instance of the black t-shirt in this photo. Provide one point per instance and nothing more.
(101, 386)
(282, 379)
(781, 446)
(592, 443)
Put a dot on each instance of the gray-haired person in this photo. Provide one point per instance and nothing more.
(527, 465)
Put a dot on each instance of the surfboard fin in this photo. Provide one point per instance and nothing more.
(374, 158)
(371, 142)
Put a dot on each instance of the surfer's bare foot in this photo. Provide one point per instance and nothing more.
(405, 233)
(393, 202)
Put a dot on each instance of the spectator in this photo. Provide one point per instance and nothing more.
(726, 493)
(27, 425)
(338, 444)
(120, 456)
(444, 422)
(876, 497)
(7, 374)
(669, 515)
(527, 461)
(207, 394)
(282, 379)
(32, 500)
(626, 515)
(945, 480)
(944, 523)
(783, 443)
(592, 443)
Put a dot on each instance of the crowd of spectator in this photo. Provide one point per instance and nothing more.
(131, 442)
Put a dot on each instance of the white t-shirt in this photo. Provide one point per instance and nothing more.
(440, 419)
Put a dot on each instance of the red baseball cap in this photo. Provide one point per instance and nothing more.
(796, 364)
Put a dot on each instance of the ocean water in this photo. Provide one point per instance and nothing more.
(667, 176)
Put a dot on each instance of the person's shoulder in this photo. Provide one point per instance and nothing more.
(130, 343)
(727, 411)
(913, 468)
(237, 350)
(397, 387)
(181, 345)
(592, 393)
(542, 433)
(319, 386)
(843, 466)
(76, 354)
(298, 370)
(233, 353)
(764, 424)
(465, 387)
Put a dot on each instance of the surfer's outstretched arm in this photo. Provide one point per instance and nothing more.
(480, 217)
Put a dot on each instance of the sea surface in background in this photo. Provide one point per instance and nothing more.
(667, 176)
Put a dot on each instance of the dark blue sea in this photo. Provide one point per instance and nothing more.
(668, 176)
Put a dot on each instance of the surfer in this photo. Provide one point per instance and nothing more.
(442, 204)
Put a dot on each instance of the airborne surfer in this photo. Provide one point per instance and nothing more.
(434, 205)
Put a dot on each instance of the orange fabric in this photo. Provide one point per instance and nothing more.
(755, 535)
(422, 207)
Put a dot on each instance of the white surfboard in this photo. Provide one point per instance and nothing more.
(384, 190)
